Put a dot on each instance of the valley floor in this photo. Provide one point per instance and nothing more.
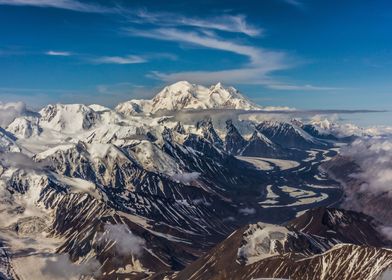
(292, 187)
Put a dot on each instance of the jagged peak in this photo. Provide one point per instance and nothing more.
(70, 107)
(257, 135)
(68, 117)
(217, 86)
(232, 129)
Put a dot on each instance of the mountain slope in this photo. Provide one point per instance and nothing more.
(343, 225)
(234, 142)
(260, 146)
(7, 142)
(172, 193)
(209, 133)
(25, 127)
(269, 251)
(288, 135)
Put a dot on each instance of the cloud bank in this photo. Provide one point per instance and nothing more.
(386, 231)
(10, 111)
(22, 161)
(374, 156)
(387, 275)
(369, 190)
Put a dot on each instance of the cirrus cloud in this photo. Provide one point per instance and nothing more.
(58, 53)
(129, 59)
(72, 5)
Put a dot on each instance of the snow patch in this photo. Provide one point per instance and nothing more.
(261, 241)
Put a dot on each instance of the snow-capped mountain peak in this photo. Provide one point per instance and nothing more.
(230, 97)
(179, 96)
(184, 95)
(181, 86)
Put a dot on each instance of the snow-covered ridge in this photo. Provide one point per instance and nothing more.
(184, 95)
(25, 127)
(285, 128)
(68, 118)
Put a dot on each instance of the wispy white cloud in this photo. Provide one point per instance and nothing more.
(124, 241)
(295, 3)
(58, 53)
(129, 59)
(186, 178)
(10, 111)
(72, 5)
(231, 76)
(256, 56)
(280, 86)
(261, 62)
(227, 23)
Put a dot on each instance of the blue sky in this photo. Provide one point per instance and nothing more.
(298, 53)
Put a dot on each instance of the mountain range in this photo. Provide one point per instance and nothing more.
(178, 187)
